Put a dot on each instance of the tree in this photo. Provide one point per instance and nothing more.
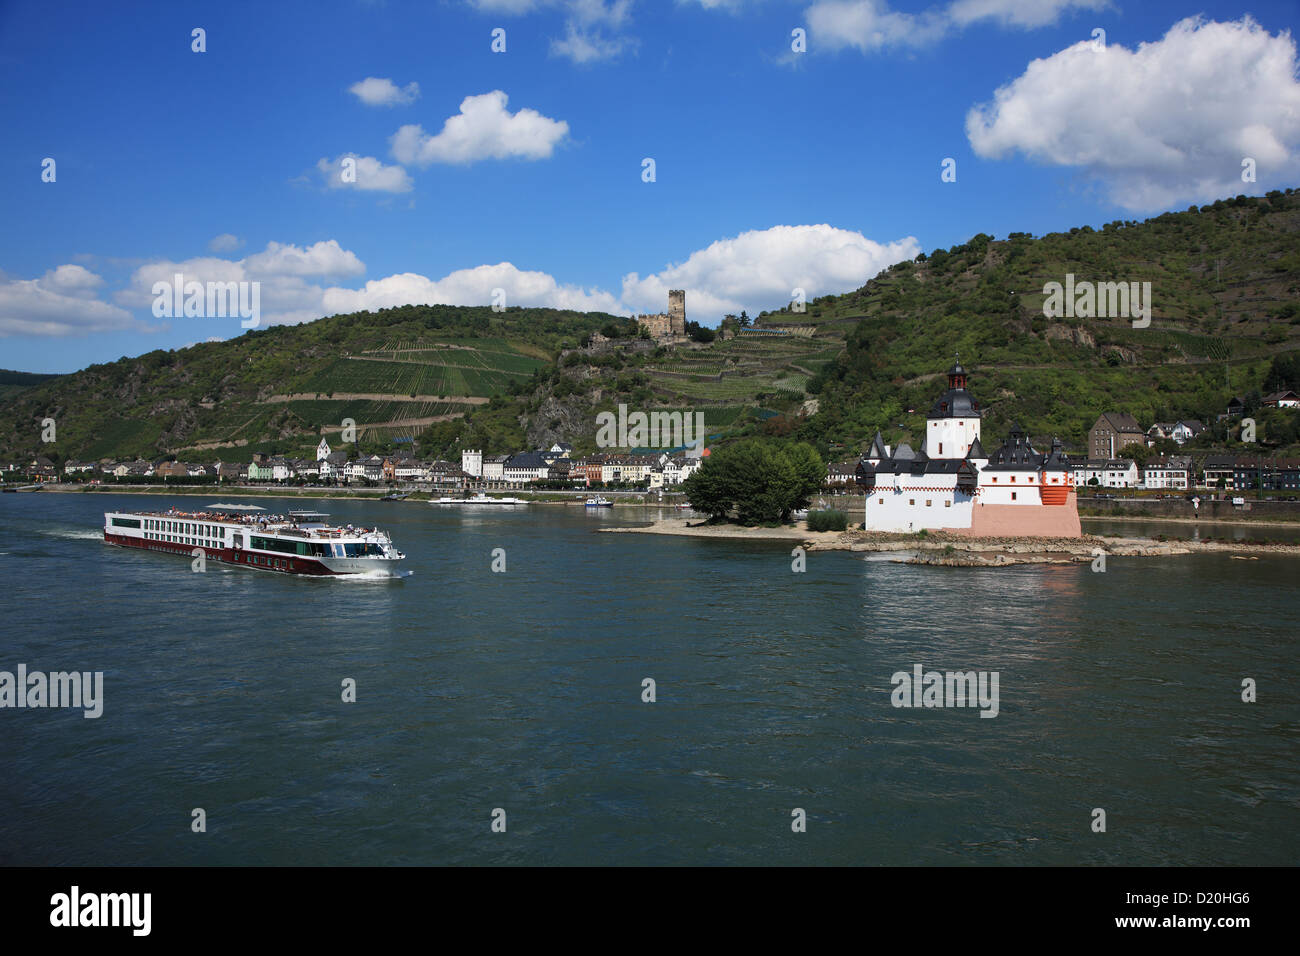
(758, 481)
(699, 333)
(1138, 452)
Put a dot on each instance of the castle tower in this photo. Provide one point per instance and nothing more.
(953, 424)
(676, 311)
(471, 462)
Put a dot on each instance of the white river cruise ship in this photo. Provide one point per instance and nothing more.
(301, 542)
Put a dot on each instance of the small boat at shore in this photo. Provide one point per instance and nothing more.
(479, 499)
(598, 501)
(396, 496)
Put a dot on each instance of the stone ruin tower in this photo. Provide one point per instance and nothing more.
(676, 311)
(668, 326)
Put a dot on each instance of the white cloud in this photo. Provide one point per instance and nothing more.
(483, 129)
(759, 270)
(226, 242)
(282, 270)
(367, 174)
(586, 45)
(60, 303)
(593, 29)
(871, 25)
(380, 91)
(756, 270)
(511, 7)
(470, 287)
(325, 258)
(1018, 13)
(72, 280)
(1168, 122)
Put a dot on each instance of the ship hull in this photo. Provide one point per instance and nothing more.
(280, 564)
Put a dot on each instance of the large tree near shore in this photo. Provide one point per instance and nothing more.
(756, 481)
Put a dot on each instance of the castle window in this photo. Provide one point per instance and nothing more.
(1013, 496)
(1013, 479)
(927, 502)
(947, 504)
(881, 500)
(941, 448)
(911, 502)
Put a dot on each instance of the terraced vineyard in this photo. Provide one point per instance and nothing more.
(744, 367)
(470, 375)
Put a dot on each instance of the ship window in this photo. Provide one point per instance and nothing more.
(126, 522)
(941, 448)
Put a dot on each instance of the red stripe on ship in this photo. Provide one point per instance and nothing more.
(239, 558)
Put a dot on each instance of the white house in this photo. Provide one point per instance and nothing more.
(1186, 431)
(525, 467)
(1119, 473)
(1167, 474)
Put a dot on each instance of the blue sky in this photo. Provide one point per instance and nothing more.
(523, 170)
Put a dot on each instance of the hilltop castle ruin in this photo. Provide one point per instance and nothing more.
(668, 326)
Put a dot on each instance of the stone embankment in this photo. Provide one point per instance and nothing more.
(950, 550)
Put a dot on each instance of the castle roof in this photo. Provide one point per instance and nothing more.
(1016, 453)
(957, 402)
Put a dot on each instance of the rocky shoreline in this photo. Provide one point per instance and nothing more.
(942, 549)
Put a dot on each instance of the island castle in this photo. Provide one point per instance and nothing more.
(953, 485)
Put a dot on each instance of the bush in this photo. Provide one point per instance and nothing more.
(827, 521)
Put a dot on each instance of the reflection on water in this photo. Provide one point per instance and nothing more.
(1233, 531)
(522, 690)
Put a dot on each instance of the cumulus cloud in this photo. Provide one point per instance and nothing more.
(226, 242)
(380, 91)
(284, 272)
(62, 302)
(470, 287)
(363, 172)
(756, 270)
(483, 129)
(759, 270)
(326, 258)
(72, 280)
(872, 25)
(1168, 122)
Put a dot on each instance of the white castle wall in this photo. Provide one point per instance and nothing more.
(910, 503)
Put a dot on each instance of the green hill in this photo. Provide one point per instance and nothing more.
(1225, 321)
(1225, 287)
(394, 373)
